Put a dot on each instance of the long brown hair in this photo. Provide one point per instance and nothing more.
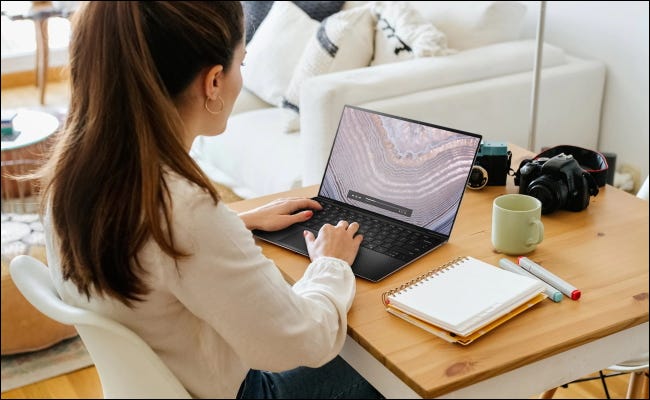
(104, 182)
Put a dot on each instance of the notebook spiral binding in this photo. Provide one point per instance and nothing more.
(420, 278)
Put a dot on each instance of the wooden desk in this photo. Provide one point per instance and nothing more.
(602, 250)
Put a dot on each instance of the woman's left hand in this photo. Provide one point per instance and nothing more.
(280, 213)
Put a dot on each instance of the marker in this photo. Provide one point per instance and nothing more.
(569, 290)
(550, 291)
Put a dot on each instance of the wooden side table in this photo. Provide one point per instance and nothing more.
(39, 13)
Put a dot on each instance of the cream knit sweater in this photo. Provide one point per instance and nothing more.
(226, 308)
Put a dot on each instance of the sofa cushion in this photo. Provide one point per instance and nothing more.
(256, 11)
(402, 34)
(272, 163)
(470, 24)
(343, 41)
(248, 101)
(254, 14)
(275, 49)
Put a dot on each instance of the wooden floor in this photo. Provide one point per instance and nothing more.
(84, 383)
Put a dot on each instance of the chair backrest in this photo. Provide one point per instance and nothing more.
(643, 190)
(127, 366)
(637, 364)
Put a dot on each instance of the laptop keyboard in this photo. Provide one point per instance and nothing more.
(379, 235)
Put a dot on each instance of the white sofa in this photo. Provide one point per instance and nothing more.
(484, 88)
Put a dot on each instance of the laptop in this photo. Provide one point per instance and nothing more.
(402, 180)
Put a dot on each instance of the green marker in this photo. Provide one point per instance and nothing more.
(550, 291)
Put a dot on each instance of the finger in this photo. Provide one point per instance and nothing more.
(309, 237)
(305, 215)
(295, 204)
(343, 224)
(354, 227)
(308, 204)
(301, 216)
(311, 203)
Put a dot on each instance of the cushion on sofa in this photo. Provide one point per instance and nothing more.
(343, 41)
(254, 14)
(256, 11)
(470, 24)
(402, 34)
(275, 49)
(271, 163)
(248, 101)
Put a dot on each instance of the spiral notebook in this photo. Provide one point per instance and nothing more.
(464, 299)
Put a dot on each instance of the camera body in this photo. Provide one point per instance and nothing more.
(558, 182)
(491, 166)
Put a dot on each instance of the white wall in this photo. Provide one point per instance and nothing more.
(617, 34)
(613, 32)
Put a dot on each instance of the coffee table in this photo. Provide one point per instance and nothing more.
(25, 153)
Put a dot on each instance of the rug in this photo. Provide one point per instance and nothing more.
(23, 369)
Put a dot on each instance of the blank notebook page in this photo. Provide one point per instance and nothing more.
(466, 295)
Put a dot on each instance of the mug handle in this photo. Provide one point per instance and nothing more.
(540, 232)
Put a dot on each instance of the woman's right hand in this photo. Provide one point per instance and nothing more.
(335, 241)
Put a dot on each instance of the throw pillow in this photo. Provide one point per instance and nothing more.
(343, 41)
(275, 50)
(254, 14)
(401, 34)
(256, 11)
(470, 24)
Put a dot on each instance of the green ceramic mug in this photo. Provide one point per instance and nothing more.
(516, 224)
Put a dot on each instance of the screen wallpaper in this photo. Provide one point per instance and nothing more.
(400, 168)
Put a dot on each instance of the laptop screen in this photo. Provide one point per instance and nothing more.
(404, 169)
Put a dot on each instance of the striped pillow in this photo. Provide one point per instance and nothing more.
(343, 41)
(402, 34)
(256, 11)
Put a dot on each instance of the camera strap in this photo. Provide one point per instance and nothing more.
(509, 169)
(591, 161)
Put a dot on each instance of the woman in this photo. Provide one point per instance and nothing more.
(136, 231)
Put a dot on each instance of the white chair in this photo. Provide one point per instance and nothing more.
(637, 387)
(127, 366)
(643, 191)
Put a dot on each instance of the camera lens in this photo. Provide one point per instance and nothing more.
(477, 178)
(551, 192)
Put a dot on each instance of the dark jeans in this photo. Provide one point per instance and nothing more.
(334, 380)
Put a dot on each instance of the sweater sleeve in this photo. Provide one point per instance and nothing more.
(241, 294)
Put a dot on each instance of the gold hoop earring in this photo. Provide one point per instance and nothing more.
(208, 108)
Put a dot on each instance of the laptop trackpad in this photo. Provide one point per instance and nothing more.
(295, 240)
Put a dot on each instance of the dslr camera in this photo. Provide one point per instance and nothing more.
(491, 166)
(558, 182)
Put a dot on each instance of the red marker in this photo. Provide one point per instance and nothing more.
(563, 286)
